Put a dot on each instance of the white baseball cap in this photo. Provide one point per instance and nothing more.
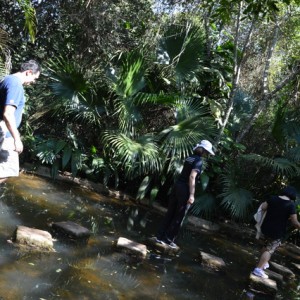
(205, 145)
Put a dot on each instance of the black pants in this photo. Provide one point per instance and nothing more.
(171, 224)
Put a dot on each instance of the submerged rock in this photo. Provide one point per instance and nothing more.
(211, 261)
(275, 276)
(284, 271)
(33, 239)
(71, 230)
(163, 248)
(132, 247)
(263, 285)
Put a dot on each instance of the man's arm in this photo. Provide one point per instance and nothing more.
(294, 221)
(10, 122)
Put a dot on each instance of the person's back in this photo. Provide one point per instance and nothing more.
(192, 162)
(278, 212)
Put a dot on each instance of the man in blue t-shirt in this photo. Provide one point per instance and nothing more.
(279, 210)
(12, 101)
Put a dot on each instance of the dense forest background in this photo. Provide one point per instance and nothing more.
(129, 87)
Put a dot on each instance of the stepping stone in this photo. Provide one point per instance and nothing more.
(284, 271)
(262, 285)
(211, 261)
(33, 239)
(296, 266)
(293, 248)
(275, 276)
(163, 248)
(132, 247)
(71, 230)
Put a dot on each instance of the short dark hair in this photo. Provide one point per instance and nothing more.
(290, 192)
(31, 65)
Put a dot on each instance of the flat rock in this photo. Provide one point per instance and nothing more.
(212, 261)
(262, 285)
(293, 248)
(33, 239)
(163, 248)
(296, 266)
(132, 247)
(71, 230)
(284, 271)
(275, 276)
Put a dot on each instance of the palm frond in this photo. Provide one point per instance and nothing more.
(160, 98)
(280, 165)
(136, 156)
(3, 71)
(128, 114)
(30, 18)
(74, 93)
(3, 39)
(185, 48)
(237, 201)
(177, 140)
(130, 76)
(127, 81)
(204, 205)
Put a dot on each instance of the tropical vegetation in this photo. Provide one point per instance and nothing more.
(129, 87)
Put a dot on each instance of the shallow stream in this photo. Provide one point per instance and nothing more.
(96, 270)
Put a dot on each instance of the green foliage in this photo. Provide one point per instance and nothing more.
(128, 92)
(74, 93)
(280, 165)
(60, 153)
(185, 48)
(236, 200)
(204, 205)
(30, 18)
(135, 156)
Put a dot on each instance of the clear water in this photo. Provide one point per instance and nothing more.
(96, 270)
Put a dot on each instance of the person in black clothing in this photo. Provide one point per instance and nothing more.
(182, 195)
(279, 210)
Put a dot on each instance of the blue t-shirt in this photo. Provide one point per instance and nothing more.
(12, 93)
(193, 162)
(278, 213)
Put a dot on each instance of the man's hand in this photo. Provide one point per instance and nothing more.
(18, 146)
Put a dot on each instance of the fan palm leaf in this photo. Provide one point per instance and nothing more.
(281, 165)
(177, 140)
(136, 156)
(204, 205)
(127, 81)
(185, 48)
(237, 201)
(75, 94)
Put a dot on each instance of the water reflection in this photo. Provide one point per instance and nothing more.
(97, 270)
